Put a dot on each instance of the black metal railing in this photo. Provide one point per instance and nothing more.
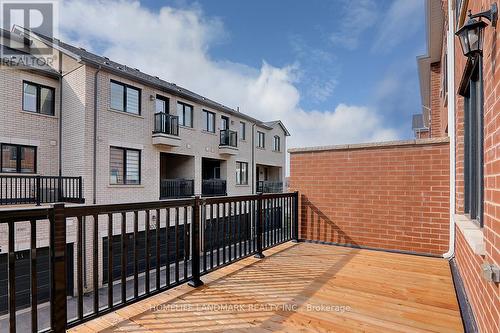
(213, 187)
(176, 188)
(128, 252)
(267, 186)
(166, 124)
(20, 189)
(229, 138)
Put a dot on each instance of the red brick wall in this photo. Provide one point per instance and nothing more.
(386, 197)
(483, 296)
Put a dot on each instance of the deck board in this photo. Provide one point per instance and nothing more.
(296, 288)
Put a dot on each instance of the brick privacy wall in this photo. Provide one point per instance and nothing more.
(483, 296)
(386, 197)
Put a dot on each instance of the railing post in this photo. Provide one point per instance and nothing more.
(80, 188)
(38, 191)
(195, 242)
(59, 189)
(58, 307)
(259, 221)
(295, 218)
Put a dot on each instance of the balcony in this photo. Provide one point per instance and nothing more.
(176, 188)
(20, 189)
(166, 130)
(267, 186)
(218, 242)
(213, 187)
(228, 142)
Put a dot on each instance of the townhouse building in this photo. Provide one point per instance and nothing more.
(129, 135)
(78, 127)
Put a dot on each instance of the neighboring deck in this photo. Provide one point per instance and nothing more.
(303, 287)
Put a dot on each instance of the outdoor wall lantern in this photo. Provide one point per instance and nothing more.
(471, 35)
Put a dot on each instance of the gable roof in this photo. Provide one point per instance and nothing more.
(277, 122)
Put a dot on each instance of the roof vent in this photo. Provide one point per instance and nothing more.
(81, 48)
(157, 77)
(136, 69)
(106, 58)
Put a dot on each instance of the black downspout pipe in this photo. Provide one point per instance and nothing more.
(94, 176)
(60, 112)
(253, 159)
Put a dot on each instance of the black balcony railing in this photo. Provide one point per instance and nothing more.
(176, 188)
(267, 186)
(166, 124)
(229, 138)
(135, 250)
(20, 189)
(213, 187)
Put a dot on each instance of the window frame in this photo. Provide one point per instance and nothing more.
(184, 105)
(240, 169)
(18, 158)
(243, 130)
(38, 106)
(474, 144)
(124, 157)
(205, 125)
(125, 87)
(166, 100)
(277, 139)
(259, 143)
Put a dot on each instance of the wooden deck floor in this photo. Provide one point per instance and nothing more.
(303, 287)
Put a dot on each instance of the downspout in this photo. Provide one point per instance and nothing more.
(60, 112)
(94, 176)
(253, 159)
(451, 124)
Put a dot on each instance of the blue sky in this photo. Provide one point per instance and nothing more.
(346, 65)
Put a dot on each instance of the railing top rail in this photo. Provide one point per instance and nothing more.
(23, 214)
(163, 114)
(215, 200)
(126, 207)
(38, 176)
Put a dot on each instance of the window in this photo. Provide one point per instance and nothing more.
(243, 130)
(241, 173)
(125, 166)
(185, 113)
(161, 104)
(209, 121)
(125, 98)
(17, 158)
(473, 145)
(261, 140)
(38, 98)
(277, 143)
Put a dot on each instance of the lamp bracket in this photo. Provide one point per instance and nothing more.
(491, 15)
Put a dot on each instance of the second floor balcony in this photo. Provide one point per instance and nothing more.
(166, 130)
(269, 186)
(26, 190)
(176, 188)
(228, 142)
(213, 187)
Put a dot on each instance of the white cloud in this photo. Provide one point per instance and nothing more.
(173, 44)
(357, 17)
(402, 20)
